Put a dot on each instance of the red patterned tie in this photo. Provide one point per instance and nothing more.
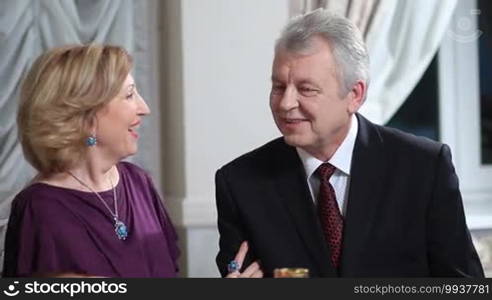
(330, 217)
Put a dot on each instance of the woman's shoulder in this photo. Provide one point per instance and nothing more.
(138, 180)
(134, 172)
(40, 198)
(36, 190)
(129, 167)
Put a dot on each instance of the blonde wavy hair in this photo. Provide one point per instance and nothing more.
(60, 96)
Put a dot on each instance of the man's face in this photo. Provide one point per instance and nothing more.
(306, 100)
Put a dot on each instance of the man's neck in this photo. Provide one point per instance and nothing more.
(324, 152)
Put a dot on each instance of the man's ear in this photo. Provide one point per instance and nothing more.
(356, 96)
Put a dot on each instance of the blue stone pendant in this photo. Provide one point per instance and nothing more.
(120, 229)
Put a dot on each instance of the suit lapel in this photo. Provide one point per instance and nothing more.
(294, 193)
(367, 173)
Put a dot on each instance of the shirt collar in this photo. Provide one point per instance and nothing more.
(341, 159)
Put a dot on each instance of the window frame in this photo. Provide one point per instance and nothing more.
(459, 112)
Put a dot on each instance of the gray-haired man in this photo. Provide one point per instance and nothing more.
(337, 194)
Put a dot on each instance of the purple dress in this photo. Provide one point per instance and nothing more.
(55, 230)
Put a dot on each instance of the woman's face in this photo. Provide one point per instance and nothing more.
(118, 122)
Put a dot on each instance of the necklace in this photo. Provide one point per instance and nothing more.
(119, 227)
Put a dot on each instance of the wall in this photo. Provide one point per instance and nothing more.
(215, 89)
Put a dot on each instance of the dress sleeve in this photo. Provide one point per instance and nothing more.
(166, 223)
(44, 238)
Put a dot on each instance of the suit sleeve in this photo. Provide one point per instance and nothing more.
(231, 230)
(450, 249)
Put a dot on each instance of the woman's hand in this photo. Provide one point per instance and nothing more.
(252, 271)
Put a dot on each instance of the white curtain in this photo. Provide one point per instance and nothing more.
(29, 27)
(402, 37)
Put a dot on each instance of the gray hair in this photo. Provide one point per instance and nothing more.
(345, 40)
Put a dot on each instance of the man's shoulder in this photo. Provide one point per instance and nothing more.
(260, 156)
(407, 143)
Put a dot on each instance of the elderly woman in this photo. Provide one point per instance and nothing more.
(86, 212)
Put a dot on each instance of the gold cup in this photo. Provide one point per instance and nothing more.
(291, 273)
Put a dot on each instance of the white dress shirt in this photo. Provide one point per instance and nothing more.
(341, 160)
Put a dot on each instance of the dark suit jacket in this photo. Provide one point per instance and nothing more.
(404, 214)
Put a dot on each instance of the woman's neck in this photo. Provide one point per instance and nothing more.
(98, 177)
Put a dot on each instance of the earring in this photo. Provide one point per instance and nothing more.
(91, 141)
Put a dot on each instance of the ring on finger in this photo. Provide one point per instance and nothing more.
(233, 266)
